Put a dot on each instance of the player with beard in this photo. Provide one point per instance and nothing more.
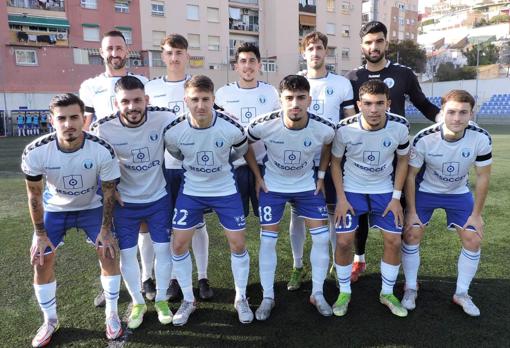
(168, 91)
(136, 134)
(99, 97)
(402, 82)
(246, 99)
(332, 97)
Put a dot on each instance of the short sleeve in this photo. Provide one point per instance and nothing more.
(417, 154)
(403, 143)
(31, 164)
(484, 153)
(87, 96)
(338, 148)
(109, 166)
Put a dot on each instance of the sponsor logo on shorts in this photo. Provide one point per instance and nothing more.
(240, 220)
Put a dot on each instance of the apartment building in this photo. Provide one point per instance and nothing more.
(400, 16)
(214, 28)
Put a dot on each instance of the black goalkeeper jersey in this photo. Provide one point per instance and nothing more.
(401, 82)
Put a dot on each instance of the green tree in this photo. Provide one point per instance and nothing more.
(448, 72)
(409, 54)
(489, 54)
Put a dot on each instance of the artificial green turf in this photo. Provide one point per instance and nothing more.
(435, 322)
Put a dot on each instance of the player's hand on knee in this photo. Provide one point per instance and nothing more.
(475, 221)
(413, 221)
(396, 208)
(107, 242)
(41, 243)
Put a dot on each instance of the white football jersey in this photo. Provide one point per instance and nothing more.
(205, 154)
(71, 177)
(99, 96)
(168, 94)
(290, 152)
(369, 154)
(447, 163)
(246, 104)
(140, 152)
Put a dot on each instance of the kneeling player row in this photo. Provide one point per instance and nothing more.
(129, 146)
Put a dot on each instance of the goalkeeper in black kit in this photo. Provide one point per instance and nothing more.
(401, 81)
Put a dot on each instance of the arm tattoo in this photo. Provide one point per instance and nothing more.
(108, 188)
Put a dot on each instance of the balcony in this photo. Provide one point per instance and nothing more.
(49, 5)
(308, 7)
(247, 2)
(305, 30)
(241, 26)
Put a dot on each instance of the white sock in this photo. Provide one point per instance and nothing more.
(344, 277)
(267, 261)
(240, 264)
(131, 273)
(332, 233)
(111, 287)
(359, 258)
(182, 270)
(162, 269)
(200, 247)
(297, 233)
(319, 257)
(411, 264)
(467, 267)
(389, 274)
(46, 296)
(146, 255)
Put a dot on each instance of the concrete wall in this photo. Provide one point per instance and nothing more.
(486, 88)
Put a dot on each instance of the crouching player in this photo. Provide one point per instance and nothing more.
(71, 161)
(447, 151)
(203, 139)
(292, 137)
(368, 141)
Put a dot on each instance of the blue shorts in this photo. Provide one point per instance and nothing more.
(245, 181)
(57, 223)
(306, 204)
(374, 205)
(173, 178)
(20, 126)
(127, 220)
(458, 207)
(28, 125)
(189, 211)
(329, 188)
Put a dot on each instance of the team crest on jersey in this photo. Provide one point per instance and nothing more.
(466, 153)
(154, 136)
(307, 142)
(72, 182)
(386, 142)
(219, 143)
(262, 99)
(88, 164)
(389, 82)
(330, 90)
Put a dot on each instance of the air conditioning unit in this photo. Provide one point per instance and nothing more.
(136, 62)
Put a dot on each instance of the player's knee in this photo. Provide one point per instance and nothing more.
(344, 244)
(471, 242)
(109, 265)
(393, 242)
(237, 245)
(412, 236)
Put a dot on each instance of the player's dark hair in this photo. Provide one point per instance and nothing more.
(200, 82)
(175, 41)
(458, 95)
(294, 83)
(374, 87)
(128, 83)
(314, 36)
(114, 33)
(248, 47)
(372, 28)
(66, 99)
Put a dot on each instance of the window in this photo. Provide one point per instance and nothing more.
(25, 57)
(194, 41)
(213, 43)
(331, 52)
(412, 36)
(213, 14)
(91, 4)
(402, 7)
(345, 53)
(401, 20)
(90, 33)
(407, 21)
(157, 37)
(346, 30)
(158, 9)
(95, 60)
(156, 59)
(192, 12)
(412, 21)
(269, 66)
(394, 34)
(121, 7)
(331, 5)
(330, 28)
(346, 5)
(128, 35)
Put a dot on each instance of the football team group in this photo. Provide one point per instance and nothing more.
(146, 160)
